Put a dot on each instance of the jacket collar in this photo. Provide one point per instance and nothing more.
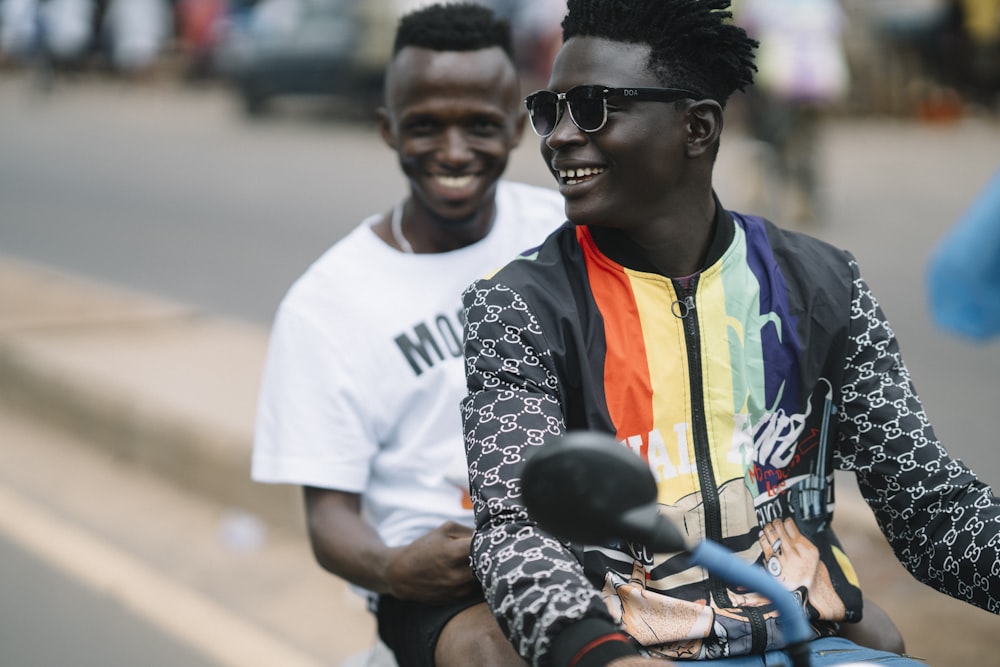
(622, 250)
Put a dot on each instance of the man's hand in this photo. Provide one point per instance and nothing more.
(434, 568)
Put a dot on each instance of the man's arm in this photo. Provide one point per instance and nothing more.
(433, 569)
(943, 523)
(535, 585)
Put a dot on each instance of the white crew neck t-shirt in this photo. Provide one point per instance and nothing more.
(364, 372)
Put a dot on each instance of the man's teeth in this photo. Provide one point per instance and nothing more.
(572, 176)
(455, 182)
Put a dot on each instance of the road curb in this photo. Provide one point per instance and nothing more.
(156, 384)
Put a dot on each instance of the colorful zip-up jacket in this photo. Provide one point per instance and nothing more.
(743, 388)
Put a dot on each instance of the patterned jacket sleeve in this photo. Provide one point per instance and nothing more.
(942, 522)
(534, 583)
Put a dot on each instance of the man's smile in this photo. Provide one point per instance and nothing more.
(454, 182)
(574, 176)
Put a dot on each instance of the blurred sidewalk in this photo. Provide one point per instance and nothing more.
(155, 383)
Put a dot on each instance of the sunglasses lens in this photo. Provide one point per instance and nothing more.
(586, 105)
(543, 109)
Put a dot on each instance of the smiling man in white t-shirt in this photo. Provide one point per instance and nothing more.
(360, 395)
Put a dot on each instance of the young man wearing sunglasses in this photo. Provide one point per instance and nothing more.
(743, 362)
(360, 394)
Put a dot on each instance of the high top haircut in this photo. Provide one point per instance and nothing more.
(453, 27)
(693, 43)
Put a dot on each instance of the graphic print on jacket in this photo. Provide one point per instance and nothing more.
(738, 454)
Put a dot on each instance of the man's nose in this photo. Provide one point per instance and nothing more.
(565, 131)
(455, 146)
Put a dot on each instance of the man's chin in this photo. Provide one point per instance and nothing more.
(455, 218)
(581, 215)
(458, 212)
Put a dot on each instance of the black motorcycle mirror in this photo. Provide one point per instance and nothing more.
(585, 487)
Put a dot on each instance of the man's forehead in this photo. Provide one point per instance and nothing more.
(415, 58)
(424, 69)
(604, 61)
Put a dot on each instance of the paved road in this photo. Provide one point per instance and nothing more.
(169, 191)
(49, 618)
(105, 564)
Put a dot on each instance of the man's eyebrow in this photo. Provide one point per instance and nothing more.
(493, 114)
(417, 116)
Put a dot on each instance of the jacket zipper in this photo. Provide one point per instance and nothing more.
(685, 310)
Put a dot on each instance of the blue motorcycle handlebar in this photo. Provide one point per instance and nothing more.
(727, 566)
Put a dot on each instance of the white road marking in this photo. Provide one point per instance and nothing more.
(179, 611)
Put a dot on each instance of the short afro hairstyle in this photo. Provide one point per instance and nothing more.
(693, 43)
(453, 27)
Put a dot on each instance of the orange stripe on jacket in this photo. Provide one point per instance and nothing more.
(627, 386)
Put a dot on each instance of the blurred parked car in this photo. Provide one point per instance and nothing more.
(309, 48)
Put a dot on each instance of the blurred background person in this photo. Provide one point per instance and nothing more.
(66, 28)
(198, 27)
(137, 32)
(17, 27)
(802, 73)
(53, 35)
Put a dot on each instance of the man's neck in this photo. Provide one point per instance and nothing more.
(673, 250)
(433, 233)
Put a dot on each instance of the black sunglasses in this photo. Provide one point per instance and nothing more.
(588, 105)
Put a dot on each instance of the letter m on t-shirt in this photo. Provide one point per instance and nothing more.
(418, 351)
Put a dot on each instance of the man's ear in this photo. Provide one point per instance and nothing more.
(519, 124)
(704, 126)
(385, 127)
